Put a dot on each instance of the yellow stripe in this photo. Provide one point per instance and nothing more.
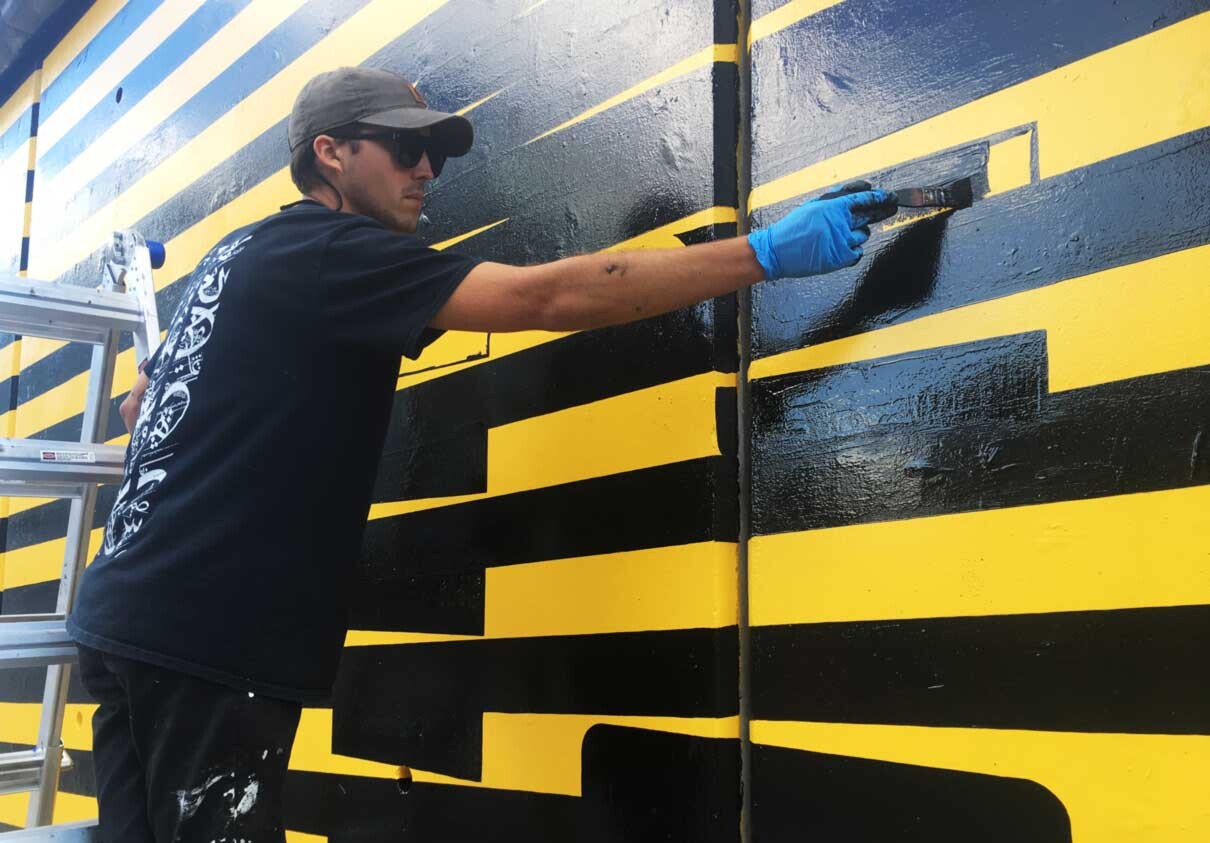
(226, 46)
(510, 761)
(1125, 322)
(700, 59)
(19, 724)
(109, 74)
(42, 562)
(358, 38)
(783, 16)
(467, 109)
(300, 837)
(682, 587)
(1137, 788)
(74, 42)
(69, 808)
(649, 427)
(454, 241)
(19, 101)
(1130, 551)
(1008, 164)
(1084, 112)
(530, 9)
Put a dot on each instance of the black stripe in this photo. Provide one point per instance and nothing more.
(1111, 213)
(652, 507)
(800, 796)
(933, 56)
(26, 684)
(1131, 670)
(962, 428)
(422, 572)
(637, 785)
(382, 712)
(49, 520)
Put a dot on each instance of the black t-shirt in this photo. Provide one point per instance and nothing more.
(249, 474)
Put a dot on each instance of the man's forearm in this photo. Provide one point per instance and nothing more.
(608, 288)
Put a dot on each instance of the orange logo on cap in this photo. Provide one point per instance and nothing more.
(416, 94)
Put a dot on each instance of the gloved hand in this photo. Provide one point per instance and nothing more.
(822, 235)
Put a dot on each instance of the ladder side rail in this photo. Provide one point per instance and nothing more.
(79, 527)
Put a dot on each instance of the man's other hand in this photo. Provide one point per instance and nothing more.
(129, 408)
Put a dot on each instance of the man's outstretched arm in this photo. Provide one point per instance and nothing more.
(608, 288)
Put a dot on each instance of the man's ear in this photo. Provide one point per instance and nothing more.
(328, 152)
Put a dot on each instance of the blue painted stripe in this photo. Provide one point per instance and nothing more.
(102, 45)
(24, 254)
(35, 112)
(162, 61)
(15, 136)
(29, 185)
(293, 37)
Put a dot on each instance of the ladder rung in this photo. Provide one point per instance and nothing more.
(81, 832)
(40, 309)
(21, 769)
(35, 641)
(46, 469)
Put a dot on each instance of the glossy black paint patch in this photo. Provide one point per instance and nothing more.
(1065, 227)
(450, 602)
(800, 796)
(422, 704)
(1129, 670)
(865, 69)
(637, 785)
(453, 464)
(962, 428)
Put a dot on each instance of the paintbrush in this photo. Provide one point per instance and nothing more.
(955, 194)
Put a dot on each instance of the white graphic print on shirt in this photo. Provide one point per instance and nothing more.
(167, 398)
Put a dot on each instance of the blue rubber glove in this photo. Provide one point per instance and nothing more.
(821, 235)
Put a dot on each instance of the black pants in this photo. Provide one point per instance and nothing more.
(182, 760)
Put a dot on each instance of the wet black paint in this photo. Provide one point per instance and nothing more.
(1136, 206)
(381, 711)
(1135, 671)
(962, 428)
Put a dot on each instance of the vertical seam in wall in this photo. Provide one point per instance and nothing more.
(30, 172)
(743, 172)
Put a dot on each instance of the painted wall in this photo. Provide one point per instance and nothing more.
(979, 555)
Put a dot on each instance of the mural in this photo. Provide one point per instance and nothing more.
(929, 534)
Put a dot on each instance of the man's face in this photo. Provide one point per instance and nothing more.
(376, 185)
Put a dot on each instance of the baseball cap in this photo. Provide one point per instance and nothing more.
(377, 97)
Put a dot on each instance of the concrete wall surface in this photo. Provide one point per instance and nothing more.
(919, 550)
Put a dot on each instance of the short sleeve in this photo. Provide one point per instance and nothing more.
(380, 289)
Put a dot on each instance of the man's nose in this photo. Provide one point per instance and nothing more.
(423, 171)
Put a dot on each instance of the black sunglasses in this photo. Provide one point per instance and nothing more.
(408, 148)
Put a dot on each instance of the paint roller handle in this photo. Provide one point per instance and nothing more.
(821, 235)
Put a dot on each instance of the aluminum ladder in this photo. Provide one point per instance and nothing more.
(124, 302)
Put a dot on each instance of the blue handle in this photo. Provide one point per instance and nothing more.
(156, 248)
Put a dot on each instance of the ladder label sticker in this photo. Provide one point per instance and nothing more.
(69, 456)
